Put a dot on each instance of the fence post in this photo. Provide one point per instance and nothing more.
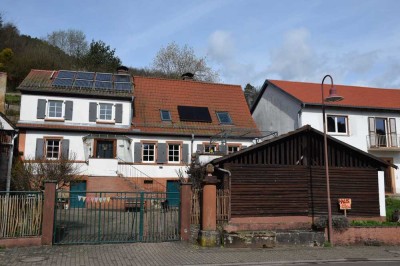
(186, 198)
(48, 212)
(209, 236)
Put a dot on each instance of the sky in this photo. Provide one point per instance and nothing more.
(357, 42)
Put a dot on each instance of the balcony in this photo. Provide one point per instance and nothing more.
(388, 142)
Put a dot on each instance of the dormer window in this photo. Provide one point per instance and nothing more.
(224, 118)
(165, 115)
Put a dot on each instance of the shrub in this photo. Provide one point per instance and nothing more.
(339, 223)
(392, 204)
(372, 223)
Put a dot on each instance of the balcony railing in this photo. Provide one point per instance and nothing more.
(375, 141)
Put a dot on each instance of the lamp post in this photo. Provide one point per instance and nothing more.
(333, 97)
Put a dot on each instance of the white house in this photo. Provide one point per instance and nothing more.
(127, 132)
(367, 118)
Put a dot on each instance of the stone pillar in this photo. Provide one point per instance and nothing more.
(186, 197)
(48, 212)
(209, 236)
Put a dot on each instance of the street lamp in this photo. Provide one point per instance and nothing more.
(333, 97)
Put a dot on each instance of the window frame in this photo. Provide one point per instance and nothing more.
(112, 119)
(218, 113)
(46, 139)
(154, 151)
(336, 125)
(207, 144)
(232, 145)
(179, 152)
(163, 118)
(62, 110)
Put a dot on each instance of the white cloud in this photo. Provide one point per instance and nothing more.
(221, 46)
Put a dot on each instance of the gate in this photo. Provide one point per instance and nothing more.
(115, 217)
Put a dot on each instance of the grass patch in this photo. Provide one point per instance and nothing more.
(373, 223)
(392, 204)
(13, 99)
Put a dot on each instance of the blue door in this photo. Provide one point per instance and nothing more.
(77, 190)
(173, 193)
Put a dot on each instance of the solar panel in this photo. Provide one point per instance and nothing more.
(83, 83)
(194, 114)
(122, 78)
(123, 86)
(63, 74)
(85, 75)
(103, 85)
(103, 77)
(62, 82)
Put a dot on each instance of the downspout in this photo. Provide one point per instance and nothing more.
(8, 184)
(191, 145)
(224, 170)
(299, 122)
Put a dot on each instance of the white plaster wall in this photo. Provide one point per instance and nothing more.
(80, 109)
(77, 146)
(381, 186)
(4, 124)
(276, 111)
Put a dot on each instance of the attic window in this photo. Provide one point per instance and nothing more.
(194, 114)
(224, 118)
(165, 115)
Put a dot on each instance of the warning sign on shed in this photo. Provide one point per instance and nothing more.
(345, 204)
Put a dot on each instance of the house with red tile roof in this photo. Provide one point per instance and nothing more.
(367, 118)
(129, 132)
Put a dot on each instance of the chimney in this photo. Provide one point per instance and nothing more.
(187, 76)
(3, 85)
(122, 70)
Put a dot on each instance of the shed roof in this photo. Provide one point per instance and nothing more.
(303, 130)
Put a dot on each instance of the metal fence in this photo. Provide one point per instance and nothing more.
(222, 208)
(109, 217)
(21, 214)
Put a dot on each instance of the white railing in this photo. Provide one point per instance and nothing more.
(383, 141)
(138, 179)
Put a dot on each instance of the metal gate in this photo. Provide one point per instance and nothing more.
(114, 217)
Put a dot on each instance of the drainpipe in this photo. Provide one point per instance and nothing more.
(10, 158)
(224, 170)
(191, 146)
(299, 115)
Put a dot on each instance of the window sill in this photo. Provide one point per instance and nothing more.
(338, 134)
(54, 119)
(105, 122)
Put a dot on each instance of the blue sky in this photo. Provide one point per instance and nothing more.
(355, 41)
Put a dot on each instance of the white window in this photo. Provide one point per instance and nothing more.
(174, 153)
(148, 152)
(165, 115)
(105, 111)
(232, 149)
(53, 148)
(337, 124)
(55, 109)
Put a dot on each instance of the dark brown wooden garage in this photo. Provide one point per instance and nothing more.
(285, 176)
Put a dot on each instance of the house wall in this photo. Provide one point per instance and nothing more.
(80, 115)
(276, 111)
(357, 131)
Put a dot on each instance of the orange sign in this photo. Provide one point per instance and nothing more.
(345, 204)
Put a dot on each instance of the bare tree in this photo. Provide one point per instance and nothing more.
(31, 174)
(72, 42)
(173, 61)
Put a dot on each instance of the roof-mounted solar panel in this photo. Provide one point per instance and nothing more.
(83, 83)
(104, 77)
(103, 85)
(194, 114)
(85, 75)
(123, 86)
(64, 74)
(62, 82)
(122, 78)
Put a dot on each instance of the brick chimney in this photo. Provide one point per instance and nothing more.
(3, 85)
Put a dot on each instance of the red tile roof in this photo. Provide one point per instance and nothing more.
(360, 97)
(155, 94)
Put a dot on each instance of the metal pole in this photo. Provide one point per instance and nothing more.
(328, 190)
(10, 158)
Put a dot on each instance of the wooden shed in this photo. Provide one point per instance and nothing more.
(283, 179)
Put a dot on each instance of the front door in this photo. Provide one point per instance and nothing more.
(77, 191)
(173, 193)
(105, 149)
